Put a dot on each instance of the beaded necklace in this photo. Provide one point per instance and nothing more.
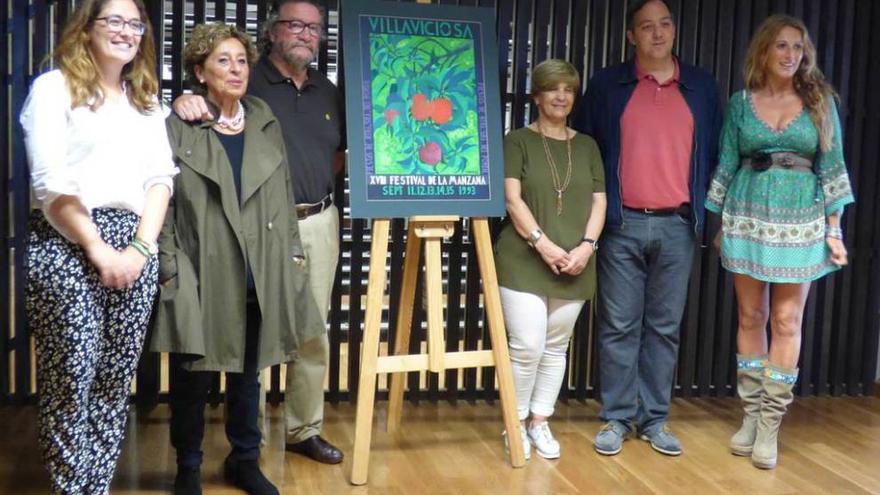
(235, 123)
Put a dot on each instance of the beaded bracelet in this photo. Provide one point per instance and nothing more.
(140, 248)
(833, 232)
(151, 247)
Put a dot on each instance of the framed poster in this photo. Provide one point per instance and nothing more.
(422, 109)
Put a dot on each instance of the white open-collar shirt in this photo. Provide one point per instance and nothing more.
(109, 157)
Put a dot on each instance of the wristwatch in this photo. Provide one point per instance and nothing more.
(592, 242)
(535, 236)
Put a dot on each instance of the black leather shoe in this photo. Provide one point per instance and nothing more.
(318, 449)
(188, 481)
(247, 476)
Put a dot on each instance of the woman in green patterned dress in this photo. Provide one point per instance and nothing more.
(780, 187)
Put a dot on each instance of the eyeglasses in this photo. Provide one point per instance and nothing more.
(296, 27)
(116, 24)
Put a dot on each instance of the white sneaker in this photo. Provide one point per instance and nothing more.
(541, 437)
(527, 448)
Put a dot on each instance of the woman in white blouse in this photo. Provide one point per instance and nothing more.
(101, 171)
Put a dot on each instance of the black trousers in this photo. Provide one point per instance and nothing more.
(189, 393)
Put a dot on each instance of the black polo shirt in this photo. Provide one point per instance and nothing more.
(312, 122)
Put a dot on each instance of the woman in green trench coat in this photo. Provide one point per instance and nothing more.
(204, 240)
(234, 294)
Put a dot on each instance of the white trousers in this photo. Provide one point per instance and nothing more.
(538, 331)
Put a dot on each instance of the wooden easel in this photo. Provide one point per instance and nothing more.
(431, 230)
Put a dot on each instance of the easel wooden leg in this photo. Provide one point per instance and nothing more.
(492, 302)
(404, 323)
(431, 231)
(370, 352)
(434, 288)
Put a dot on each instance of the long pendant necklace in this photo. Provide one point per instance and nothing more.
(234, 123)
(559, 186)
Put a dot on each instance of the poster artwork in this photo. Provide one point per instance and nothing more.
(427, 113)
(423, 110)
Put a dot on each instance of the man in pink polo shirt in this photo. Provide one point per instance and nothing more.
(656, 120)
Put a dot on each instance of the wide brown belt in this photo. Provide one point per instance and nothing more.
(782, 160)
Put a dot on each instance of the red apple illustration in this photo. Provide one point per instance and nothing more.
(421, 108)
(441, 110)
(390, 115)
(430, 153)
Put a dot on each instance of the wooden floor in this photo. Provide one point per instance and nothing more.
(828, 446)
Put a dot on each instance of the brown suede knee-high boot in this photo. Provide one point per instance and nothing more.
(778, 383)
(749, 386)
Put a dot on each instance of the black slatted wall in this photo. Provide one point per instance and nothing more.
(841, 322)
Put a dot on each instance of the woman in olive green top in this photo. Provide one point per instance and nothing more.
(555, 193)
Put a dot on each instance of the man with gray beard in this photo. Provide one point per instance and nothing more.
(309, 108)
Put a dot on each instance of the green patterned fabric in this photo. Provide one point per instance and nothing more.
(774, 221)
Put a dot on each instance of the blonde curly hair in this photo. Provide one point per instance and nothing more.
(73, 56)
(203, 41)
(809, 82)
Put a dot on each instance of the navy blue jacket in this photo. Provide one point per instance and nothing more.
(608, 92)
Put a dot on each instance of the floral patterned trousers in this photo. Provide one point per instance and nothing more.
(88, 341)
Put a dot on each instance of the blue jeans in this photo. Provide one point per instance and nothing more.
(189, 393)
(644, 266)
